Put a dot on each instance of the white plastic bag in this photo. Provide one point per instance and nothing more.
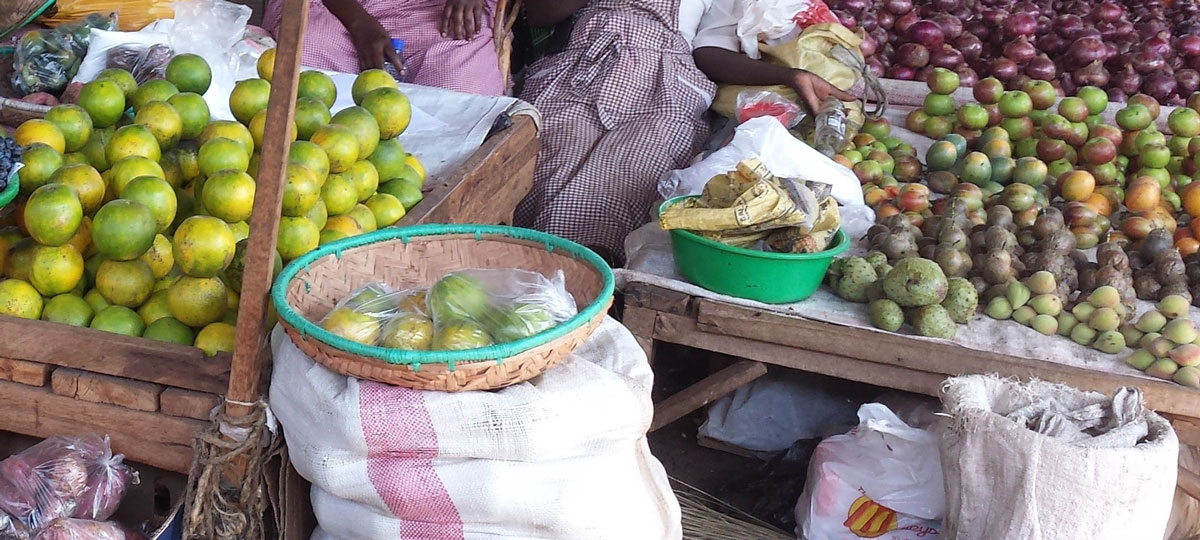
(881, 480)
(785, 156)
(210, 28)
(105, 41)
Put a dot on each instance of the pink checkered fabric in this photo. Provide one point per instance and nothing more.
(463, 65)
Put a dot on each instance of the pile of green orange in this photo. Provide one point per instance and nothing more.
(134, 206)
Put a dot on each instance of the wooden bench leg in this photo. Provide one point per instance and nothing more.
(706, 391)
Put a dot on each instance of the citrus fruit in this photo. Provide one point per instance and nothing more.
(74, 158)
(152, 90)
(231, 300)
(339, 144)
(391, 110)
(248, 98)
(388, 159)
(156, 195)
(53, 214)
(415, 163)
(90, 266)
(204, 246)
(193, 113)
(230, 130)
(160, 257)
(266, 64)
(311, 157)
(300, 191)
(366, 180)
(166, 282)
(189, 73)
(403, 191)
(93, 150)
(96, 300)
(5, 244)
(229, 195)
(125, 283)
(172, 172)
(233, 273)
(20, 259)
(122, 78)
(344, 225)
(104, 101)
(55, 270)
(318, 214)
(155, 308)
(363, 125)
(74, 124)
(330, 235)
(40, 131)
(188, 155)
(364, 217)
(132, 140)
(368, 81)
(222, 154)
(317, 85)
(197, 301)
(67, 309)
(20, 299)
(123, 230)
(339, 194)
(216, 338)
(119, 320)
(40, 163)
(124, 171)
(85, 182)
(297, 236)
(259, 123)
(169, 330)
(387, 209)
(240, 230)
(310, 115)
(82, 239)
(252, 168)
(163, 121)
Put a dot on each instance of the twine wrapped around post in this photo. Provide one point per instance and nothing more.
(217, 510)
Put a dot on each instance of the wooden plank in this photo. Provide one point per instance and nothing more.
(1189, 482)
(154, 439)
(640, 322)
(940, 358)
(487, 187)
(134, 358)
(188, 404)
(250, 342)
(658, 299)
(136, 395)
(21, 371)
(684, 331)
(1187, 429)
(706, 391)
(713, 444)
(299, 520)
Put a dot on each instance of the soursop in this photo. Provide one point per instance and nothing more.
(961, 300)
(935, 322)
(857, 276)
(915, 283)
(886, 315)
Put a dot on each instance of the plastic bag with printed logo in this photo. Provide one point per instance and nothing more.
(881, 480)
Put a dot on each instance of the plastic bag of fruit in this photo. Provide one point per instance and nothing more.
(46, 60)
(82, 529)
(108, 479)
(756, 103)
(477, 308)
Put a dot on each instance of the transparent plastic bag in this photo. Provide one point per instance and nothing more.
(121, 50)
(46, 60)
(360, 316)
(82, 529)
(60, 477)
(754, 103)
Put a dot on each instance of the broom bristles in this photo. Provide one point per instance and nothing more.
(706, 517)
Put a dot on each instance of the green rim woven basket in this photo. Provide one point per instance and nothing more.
(416, 257)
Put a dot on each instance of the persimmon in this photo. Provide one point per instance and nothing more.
(1143, 194)
(1187, 246)
(1077, 185)
(1191, 199)
(1099, 203)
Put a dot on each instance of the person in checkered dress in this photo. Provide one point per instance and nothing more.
(624, 103)
(448, 43)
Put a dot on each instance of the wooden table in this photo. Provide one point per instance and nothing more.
(759, 339)
(151, 397)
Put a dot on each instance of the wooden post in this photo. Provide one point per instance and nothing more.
(246, 372)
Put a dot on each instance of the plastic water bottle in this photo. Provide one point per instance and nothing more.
(400, 72)
(829, 132)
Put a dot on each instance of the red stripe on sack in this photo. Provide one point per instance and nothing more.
(392, 418)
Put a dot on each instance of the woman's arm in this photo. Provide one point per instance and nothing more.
(730, 67)
(544, 13)
(371, 41)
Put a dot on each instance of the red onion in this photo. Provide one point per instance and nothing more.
(966, 75)
(903, 73)
(857, 6)
(1107, 11)
(923, 73)
(1128, 80)
(1020, 51)
(846, 19)
(1160, 44)
(1088, 31)
(951, 26)
(963, 12)
(868, 46)
(1187, 81)
(1107, 30)
(1092, 74)
(904, 22)
(945, 5)
(946, 57)
(1066, 25)
(994, 17)
(1194, 63)
(1067, 84)
(1145, 61)
(1004, 69)
(875, 66)
(898, 7)
(1160, 86)
(867, 21)
(969, 46)
(1043, 25)
(1053, 42)
(926, 33)
(1116, 94)
(1086, 50)
(886, 20)
(1041, 68)
(978, 29)
(1110, 52)
(913, 55)
(1189, 45)
(1020, 24)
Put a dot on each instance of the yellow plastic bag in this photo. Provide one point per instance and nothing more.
(750, 200)
(811, 51)
(132, 15)
(803, 240)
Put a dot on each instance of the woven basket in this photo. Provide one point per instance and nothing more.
(415, 257)
(17, 13)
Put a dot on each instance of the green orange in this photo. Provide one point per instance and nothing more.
(153, 90)
(370, 80)
(55, 270)
(297, 236)
(163, 121)
(319, 86)
(204, 246)
(193, 113)
(53, 214)
(123, 230)
(248, 98)
(73, 122)
(132, 140)
(125, 283)
(189, 73)
(229, 195)
(156, 195)
(104, 101)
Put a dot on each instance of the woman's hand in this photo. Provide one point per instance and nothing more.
(814, 90)
(462, 19)
(371, 41)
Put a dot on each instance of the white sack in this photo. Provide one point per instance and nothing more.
(563, 456)
(1005, 481)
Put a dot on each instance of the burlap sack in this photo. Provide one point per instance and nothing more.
(1005, 481)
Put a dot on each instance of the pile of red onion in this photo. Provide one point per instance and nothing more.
(1123, 46)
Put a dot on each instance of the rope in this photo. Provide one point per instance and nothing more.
(873, 88)
(217, 510)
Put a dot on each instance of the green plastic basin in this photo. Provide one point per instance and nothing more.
(10, 191)
(767, 277)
